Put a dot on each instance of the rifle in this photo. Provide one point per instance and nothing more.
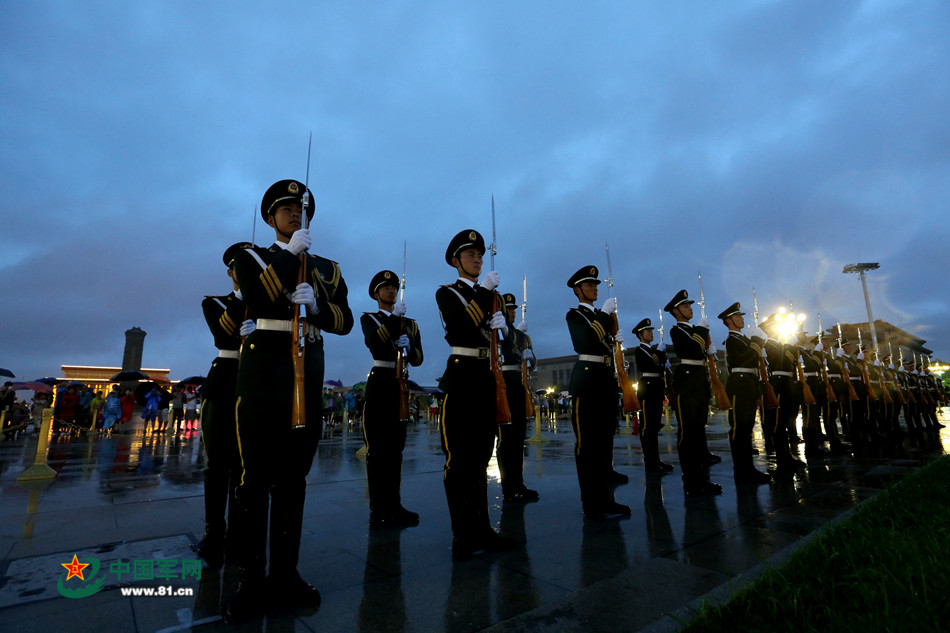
(897, 385)
(769, 399)
(719, 391)
(909, 396)
(528, 398)
(829, 392)
(402, 369)
(298, 329)
(924, 396)
(852, 394)
(631, 403)
(502, 411)
(667, 372)
(864, 369)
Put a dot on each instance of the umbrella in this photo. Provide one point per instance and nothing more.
(332, 383)
(41, 387)
(49, 381)
(7, 372)
(414, 386)
(193, 380)
(129, 375)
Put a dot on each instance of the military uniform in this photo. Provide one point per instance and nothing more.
(468, 423)
(276, 457)
(857, 408)
(744, 390)
(595, 402)
(811, 413)
(224, 315)
(383, 432)
(651, 391)
(781, 361)
(693, 392)
(510, 451)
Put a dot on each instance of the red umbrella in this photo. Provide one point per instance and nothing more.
(32, 385)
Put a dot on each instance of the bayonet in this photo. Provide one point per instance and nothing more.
(702, 297)
(660, 330)
(494, 244)
(524, 298)
(610, 272)
(402, 282)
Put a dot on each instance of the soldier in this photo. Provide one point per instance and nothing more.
(858, 407)
(594, 396)
(781, 361)
(744, 390)
(651, 363)
(516, 348)
(385, 332)
(691, 382)
(811, 411)
(275, 452)
(468, 411)
(832, 408)
(226, 318)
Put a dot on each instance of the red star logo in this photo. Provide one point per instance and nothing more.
(75, 568)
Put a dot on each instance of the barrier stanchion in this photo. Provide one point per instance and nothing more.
(538, 436)
(40, 469)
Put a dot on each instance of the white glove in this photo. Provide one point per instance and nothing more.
(247, 327)
(299, 241)
(610, 305)
(704, 323)
(490, 281)
(303, 296)
(498, 322)
(877, 363)
(523, 327)
(902, 369)
(661, 347)
(403, 342)
(916, 373)
(890, 366)
(618, 337)
(819, 347)
(840, 352)
(764, 354)
(399, 309)
(860, 355)
(237, 293)
(528, 355)
(711, 350)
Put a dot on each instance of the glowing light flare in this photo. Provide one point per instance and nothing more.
(788, 323)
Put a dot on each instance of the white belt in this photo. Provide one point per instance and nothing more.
(280, 325)
(474, 352)
(388, 364)
(812, 374)
(511, 367)
(593, 358)
(834, 375)
(743, 370)
(691, 361)
(228, 353)
(649, 375)
(782, 373)
(856, 379)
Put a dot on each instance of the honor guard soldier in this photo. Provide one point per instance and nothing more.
(811, 412)
(226, 318)
(387, 332)
(276, 449)
(852, 361)
(468, 419)
(594, 396)
(831, 407)
(651, 391)
(782, 374)
(691, 382)
(744, 389)
(515, 348)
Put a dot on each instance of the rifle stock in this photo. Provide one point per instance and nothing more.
(402, 375)
(852, 394)
(299, 412)
(502, 411)
(769, 397)
(719, 391)
(631, 403)
(807, 396)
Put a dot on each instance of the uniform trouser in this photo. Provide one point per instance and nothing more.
(385, 437)
(858, 420)
(775, 423)
(594, 419)
(651, 414)
(510, 451)
(276, 460)
(468, 429)
(741, 421)
(223, 471)
(691, 413)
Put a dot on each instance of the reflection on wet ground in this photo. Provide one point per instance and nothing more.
(130, 497)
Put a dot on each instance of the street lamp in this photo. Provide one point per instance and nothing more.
(860, 269)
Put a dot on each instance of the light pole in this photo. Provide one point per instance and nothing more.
(860, 269)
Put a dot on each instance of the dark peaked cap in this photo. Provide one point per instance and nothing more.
(510, 300)
(381, 279)
(645, 324)
(587, 273)
(681, 297)
(232, 250)
(469, 238)
(284, 192)
(731, 310)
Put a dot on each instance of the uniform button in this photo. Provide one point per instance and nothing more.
(252, 345)
(456, 361)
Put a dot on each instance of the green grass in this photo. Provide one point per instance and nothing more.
(885, 568)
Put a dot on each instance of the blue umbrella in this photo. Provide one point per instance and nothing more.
(7, 372)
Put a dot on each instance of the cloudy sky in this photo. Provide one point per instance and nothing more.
(763, 143)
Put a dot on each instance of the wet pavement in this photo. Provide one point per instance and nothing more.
(134, 498)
